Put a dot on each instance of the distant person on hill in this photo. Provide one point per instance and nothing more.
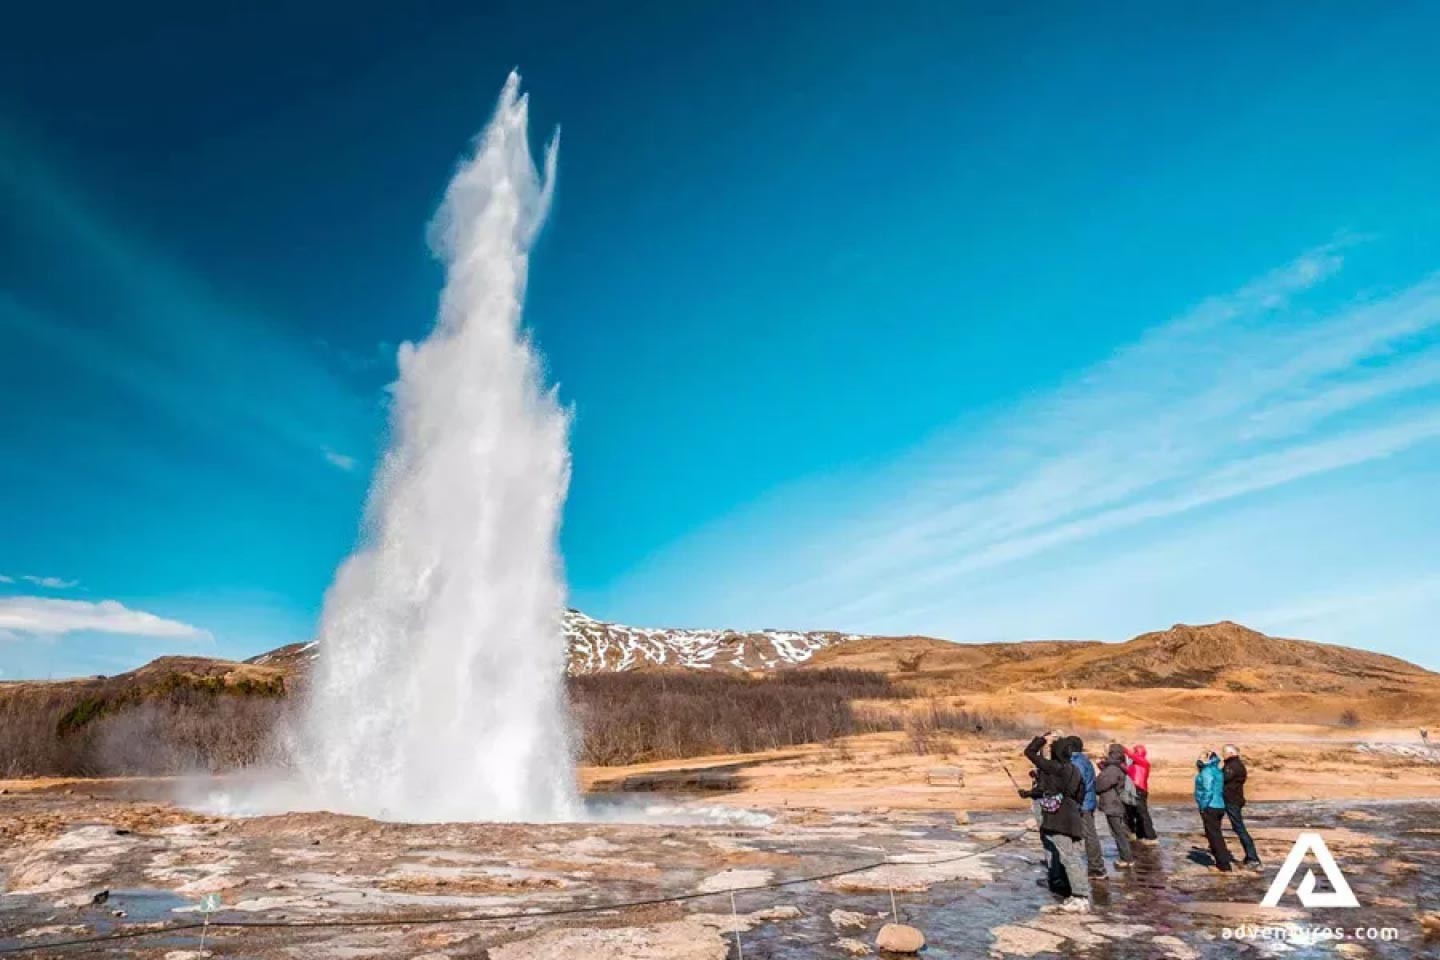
(1062, 792)
(1210, 798)
(1425, 736)
(1087, 809)
(1235, 775)
(1111, 786)
(1139, 772)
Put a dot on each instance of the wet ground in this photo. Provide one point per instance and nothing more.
(971, 887)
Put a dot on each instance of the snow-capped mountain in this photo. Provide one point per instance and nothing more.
(598, 646)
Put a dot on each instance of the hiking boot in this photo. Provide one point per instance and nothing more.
(1076, 905)
(1253, 865)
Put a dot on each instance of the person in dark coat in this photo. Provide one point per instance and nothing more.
(1087, 810)
(1235, 775)
(1109, 786)
(1062, 793)
(1210, 798)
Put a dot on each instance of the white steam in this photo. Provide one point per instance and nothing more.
(439, 688)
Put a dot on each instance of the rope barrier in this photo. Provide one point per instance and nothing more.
(136, 933)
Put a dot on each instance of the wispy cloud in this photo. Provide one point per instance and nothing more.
(1246, 393)
(48, 583)
(339, 460)
(1235, 397)
(175, 344)
(49, 617)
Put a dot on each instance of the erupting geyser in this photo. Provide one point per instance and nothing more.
(439, 689)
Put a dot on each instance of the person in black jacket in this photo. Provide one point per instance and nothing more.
(1061, 794)
(1235, 775)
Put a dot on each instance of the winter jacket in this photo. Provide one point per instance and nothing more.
(1235, 775)
(1057, 777)
(1109, 781)
(1087, 772)
(1210, 785)
(1139, 766)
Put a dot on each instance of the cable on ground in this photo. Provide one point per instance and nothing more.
(135, 933)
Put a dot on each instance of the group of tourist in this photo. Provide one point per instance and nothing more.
(1068, 789)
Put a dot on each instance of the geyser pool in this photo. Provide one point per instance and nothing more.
(438, 694)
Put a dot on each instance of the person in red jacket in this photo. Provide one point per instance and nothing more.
(1139, 815)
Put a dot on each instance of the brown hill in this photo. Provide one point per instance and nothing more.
(1221, 656)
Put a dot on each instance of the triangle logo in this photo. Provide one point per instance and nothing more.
(1340, 894)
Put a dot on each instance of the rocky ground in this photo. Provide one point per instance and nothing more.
(322, 882)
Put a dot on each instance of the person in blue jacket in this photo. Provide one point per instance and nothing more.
(1210, 798)
(1093, 856)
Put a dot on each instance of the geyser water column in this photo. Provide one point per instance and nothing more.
(439, 693)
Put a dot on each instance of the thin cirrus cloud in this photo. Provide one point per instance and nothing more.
(338, 460)
(1245, 394)
(200, 374)
(48, 583)
(51, 617)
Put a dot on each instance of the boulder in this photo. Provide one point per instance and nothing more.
(898, 938)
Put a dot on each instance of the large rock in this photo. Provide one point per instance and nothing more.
(898, 938)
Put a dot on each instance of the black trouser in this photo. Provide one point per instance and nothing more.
(1237, 823)
(1138, 817)
(1213, 818)
(1120, 833)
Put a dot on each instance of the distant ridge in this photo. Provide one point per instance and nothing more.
(1224, 656)
(598, 646)
(1179, 675)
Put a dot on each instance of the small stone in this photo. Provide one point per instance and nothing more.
(852, 947)
(962, 818)
(846, 919)
(899, 938)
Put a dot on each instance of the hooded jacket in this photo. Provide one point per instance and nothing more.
(1109, 781)
(1087, 771)
(1139, 766)
(1235, 775)
(1057, 776)
(1210, 785)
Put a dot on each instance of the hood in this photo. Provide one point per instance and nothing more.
(1138, 750)
(1115, 754)
(1214, 761)
(1060, 750)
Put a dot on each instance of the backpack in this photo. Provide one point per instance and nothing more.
(1128, 796)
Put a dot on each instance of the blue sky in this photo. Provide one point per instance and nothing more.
(964, 319)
